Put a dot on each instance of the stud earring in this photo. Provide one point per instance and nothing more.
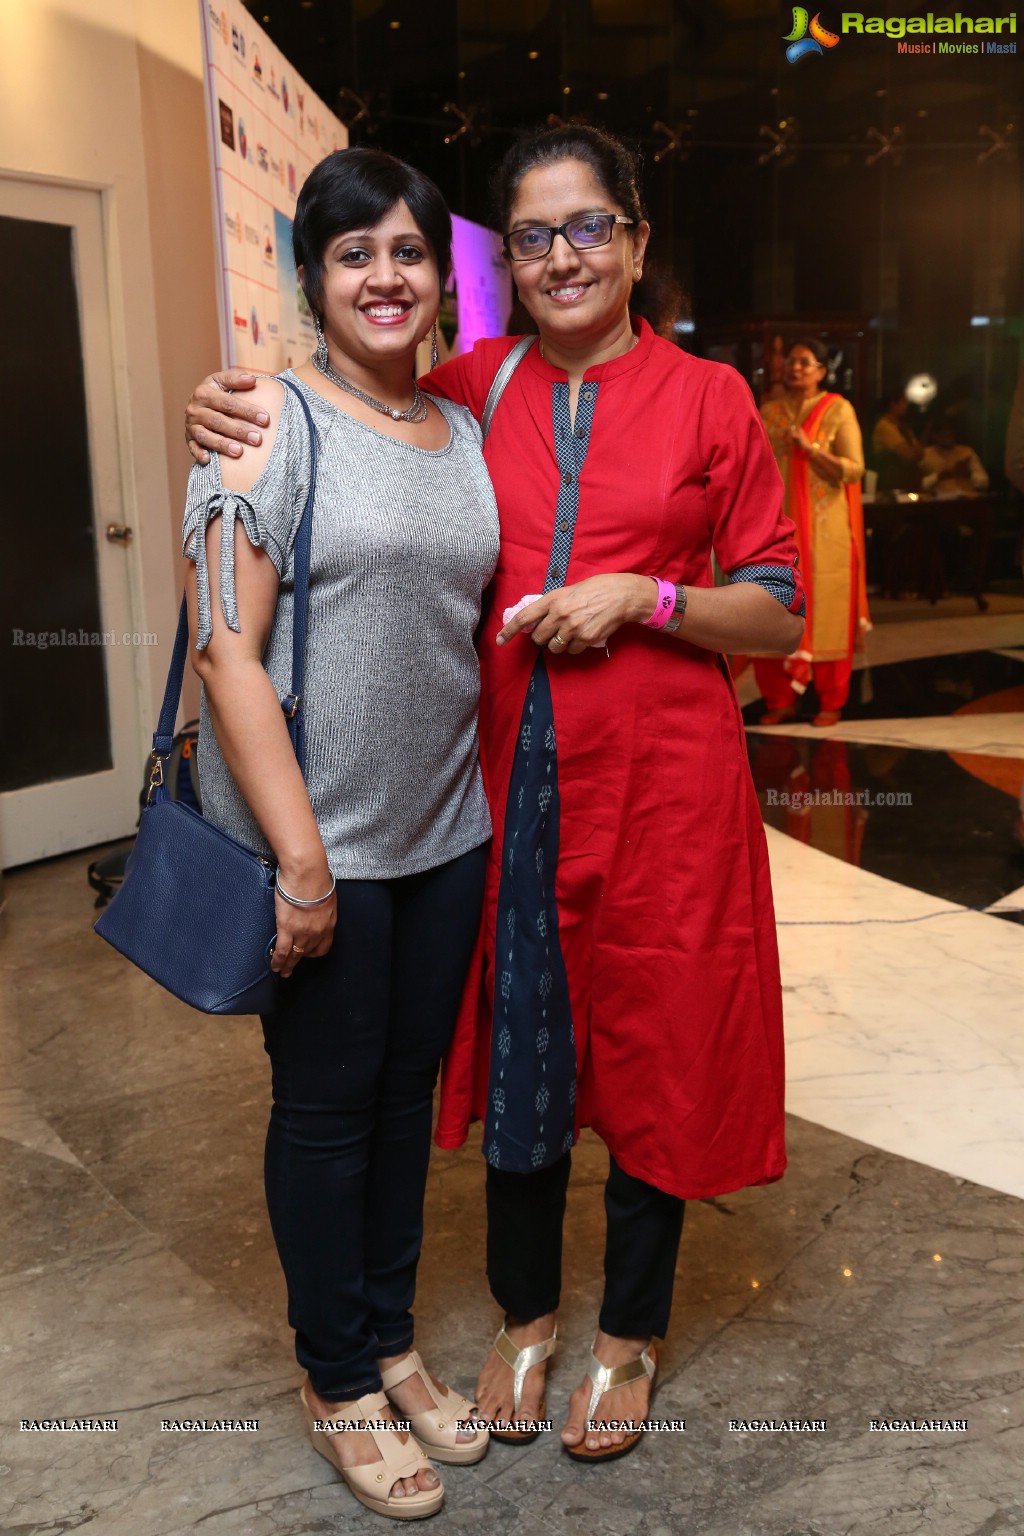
(638, 273)
(320, 357)
(433, 346)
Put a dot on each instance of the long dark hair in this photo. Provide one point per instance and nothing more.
(616, 166)
(817, 349)
(658, 298)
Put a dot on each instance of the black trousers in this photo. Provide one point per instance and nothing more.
(525, 1214)
(355, 1047)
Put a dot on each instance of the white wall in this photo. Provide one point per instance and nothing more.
(108, 94)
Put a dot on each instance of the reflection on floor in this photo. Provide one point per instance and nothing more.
(882, 1279)
(886, 808)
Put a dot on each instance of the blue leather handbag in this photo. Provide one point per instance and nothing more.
(196, 908)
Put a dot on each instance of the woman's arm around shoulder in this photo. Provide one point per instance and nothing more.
(240, 473)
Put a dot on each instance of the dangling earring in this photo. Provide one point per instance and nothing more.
(320, 357)
(433, 346)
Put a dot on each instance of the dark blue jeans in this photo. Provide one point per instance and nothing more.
(355, 1047)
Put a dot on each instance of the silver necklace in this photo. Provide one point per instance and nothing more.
(415, 413)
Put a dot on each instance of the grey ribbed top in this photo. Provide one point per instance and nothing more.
(404, 540)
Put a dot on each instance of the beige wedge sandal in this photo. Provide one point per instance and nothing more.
(372, 1484)
(521, 1361)
(437, 1428)
(603, 1378)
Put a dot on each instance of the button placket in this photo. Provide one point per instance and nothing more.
(572, 440)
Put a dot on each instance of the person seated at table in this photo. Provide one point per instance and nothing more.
(895, 445)
(951, 468)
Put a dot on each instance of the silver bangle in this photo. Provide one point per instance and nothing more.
(293, 901)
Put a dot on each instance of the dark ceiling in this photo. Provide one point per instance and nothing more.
(711, 72)
(829, 221)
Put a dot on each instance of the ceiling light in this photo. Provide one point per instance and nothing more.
(921, 389)
(533, 54)
(602, 95)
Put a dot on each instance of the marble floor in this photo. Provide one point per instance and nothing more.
(882, 1279)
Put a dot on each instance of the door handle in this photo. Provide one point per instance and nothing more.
(118, 533)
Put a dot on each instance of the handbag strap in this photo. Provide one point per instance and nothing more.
(501, 378)
(163, 736)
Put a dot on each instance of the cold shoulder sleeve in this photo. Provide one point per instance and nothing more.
(269, 513)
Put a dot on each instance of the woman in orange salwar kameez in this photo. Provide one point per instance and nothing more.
(818, 448)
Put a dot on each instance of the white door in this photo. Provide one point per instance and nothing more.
(70, 764)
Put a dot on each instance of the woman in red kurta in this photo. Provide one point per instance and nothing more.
(627, 973)
(611, 451)
(663, 894)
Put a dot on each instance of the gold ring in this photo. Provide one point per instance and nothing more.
(297, 949)
(556, 639)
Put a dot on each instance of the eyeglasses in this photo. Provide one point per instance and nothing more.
(585, 232)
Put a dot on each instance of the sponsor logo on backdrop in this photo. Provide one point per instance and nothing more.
(256, 333)
(227, 124)
(233, 223)
(273, 83)
(268, 246)
(284, 92)
(262, 158)
(257, 67)
(219, 22)
(238, 42)
(300, 100)
(291, 179)
(243, 142)
(240, 322)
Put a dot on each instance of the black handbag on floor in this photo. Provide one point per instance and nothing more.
(196, 909)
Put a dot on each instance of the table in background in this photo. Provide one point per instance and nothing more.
(914, 530)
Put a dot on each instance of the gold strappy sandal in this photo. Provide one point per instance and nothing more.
(521, 1361)
(603, 1378)
(372, 1484)
(437, 1428)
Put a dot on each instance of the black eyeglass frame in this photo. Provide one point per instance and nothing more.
(551, 230)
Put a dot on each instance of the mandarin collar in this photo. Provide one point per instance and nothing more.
(636, 357)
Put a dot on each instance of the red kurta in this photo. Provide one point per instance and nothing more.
(664, 899)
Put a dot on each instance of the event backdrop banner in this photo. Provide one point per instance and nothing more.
(267, 131)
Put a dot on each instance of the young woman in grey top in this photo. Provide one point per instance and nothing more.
(380, 852)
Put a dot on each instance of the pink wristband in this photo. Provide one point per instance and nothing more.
(665, 606)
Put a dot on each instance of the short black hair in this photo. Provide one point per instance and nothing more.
(616, 166)
(356, 189)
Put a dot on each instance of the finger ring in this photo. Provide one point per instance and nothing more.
(297, 949)
(556, 639)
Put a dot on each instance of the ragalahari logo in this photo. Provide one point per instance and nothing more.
(800, 43)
